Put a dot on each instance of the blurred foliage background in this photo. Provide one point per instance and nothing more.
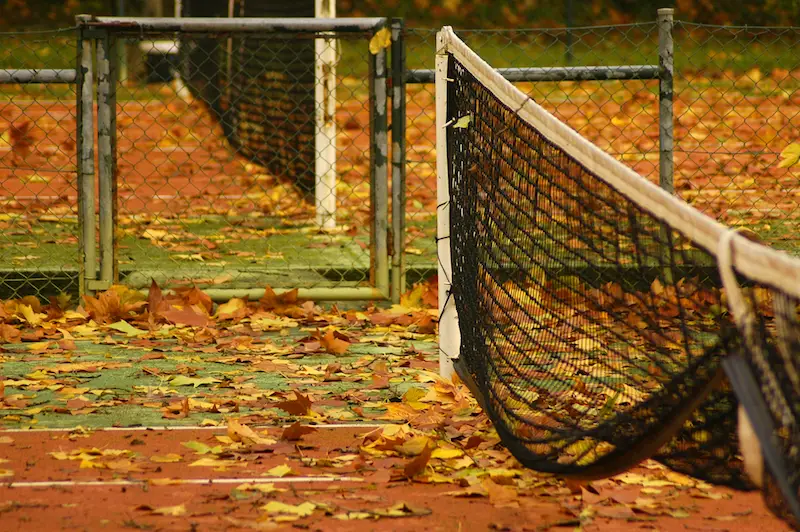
(31, 14)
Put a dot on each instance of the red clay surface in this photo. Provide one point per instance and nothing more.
(543, 506)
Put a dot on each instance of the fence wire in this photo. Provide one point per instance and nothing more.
(735, 107)
(619, 116)
(38, 192)
(217, 158)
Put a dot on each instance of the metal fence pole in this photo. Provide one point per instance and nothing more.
(398, 159)
(666, 65)
(105, 152)
(85, 162)
(379, 172)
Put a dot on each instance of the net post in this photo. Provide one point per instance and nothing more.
(379, 171)
(325, 122)
(449, 334)
(665, 96)
(106, 96)
(85, 162)
(398, 158)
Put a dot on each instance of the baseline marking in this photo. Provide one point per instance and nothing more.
(173, 482)
(198, 427)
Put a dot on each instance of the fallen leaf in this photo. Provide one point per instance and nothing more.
(417, 465)
(299, 406)
(280, 471)
(174, 511)
(301, 510)
(126, 328)
(166, 459)
(296, 431)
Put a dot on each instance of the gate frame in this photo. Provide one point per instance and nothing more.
(103, 32)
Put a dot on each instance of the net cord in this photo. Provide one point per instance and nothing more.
(754, 261)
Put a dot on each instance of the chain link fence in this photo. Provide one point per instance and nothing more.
(621, 116)
(219, 146)
(249, 153)
(38, 193)
(735, 109)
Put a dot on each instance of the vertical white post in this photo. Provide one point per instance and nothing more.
(180, 87)
(449, 334)
(325, 121)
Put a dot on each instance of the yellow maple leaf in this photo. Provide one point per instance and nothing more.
(790, 155)
(382, 39)
(280, 471)
(301, 510)
(166, 459)
(174, 511)
(446, 454)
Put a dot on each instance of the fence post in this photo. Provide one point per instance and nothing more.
(379, 172)
(398, 159)
(665, 95)
(325, 121)
(106, 144)
(85, 159)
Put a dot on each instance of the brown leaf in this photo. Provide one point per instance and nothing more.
(333, 343)
(194, 296)
(501, 496)
(379, 382)
(9, 334)
(418, 464)
(21, 139)
(278, 303)
(299, 406)
(296, 431)
(186, 316)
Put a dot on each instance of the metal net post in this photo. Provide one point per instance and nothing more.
(379, 169)
(85, 147)
(665, 97)
(398, 158)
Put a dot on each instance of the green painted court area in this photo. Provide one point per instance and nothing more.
(112, 381)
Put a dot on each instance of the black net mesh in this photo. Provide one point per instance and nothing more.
(771, 368)
(592, 332)
(261, 88)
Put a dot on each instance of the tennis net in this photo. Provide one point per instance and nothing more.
(590, 304)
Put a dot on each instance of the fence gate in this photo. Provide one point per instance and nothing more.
(239, 153)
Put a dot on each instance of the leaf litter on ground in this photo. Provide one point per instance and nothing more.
(195, 361)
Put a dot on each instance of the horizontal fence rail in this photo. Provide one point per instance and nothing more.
(238, 25)
(576, 73)
(45, 75)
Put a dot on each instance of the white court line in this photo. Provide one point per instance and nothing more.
(177, 481)
(197, 427)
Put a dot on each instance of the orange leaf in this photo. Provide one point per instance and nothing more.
(419, 463)
(501, 496)
(186, 316)
(296, 431)
(299, 406)
(194, 296)
(333, 343)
